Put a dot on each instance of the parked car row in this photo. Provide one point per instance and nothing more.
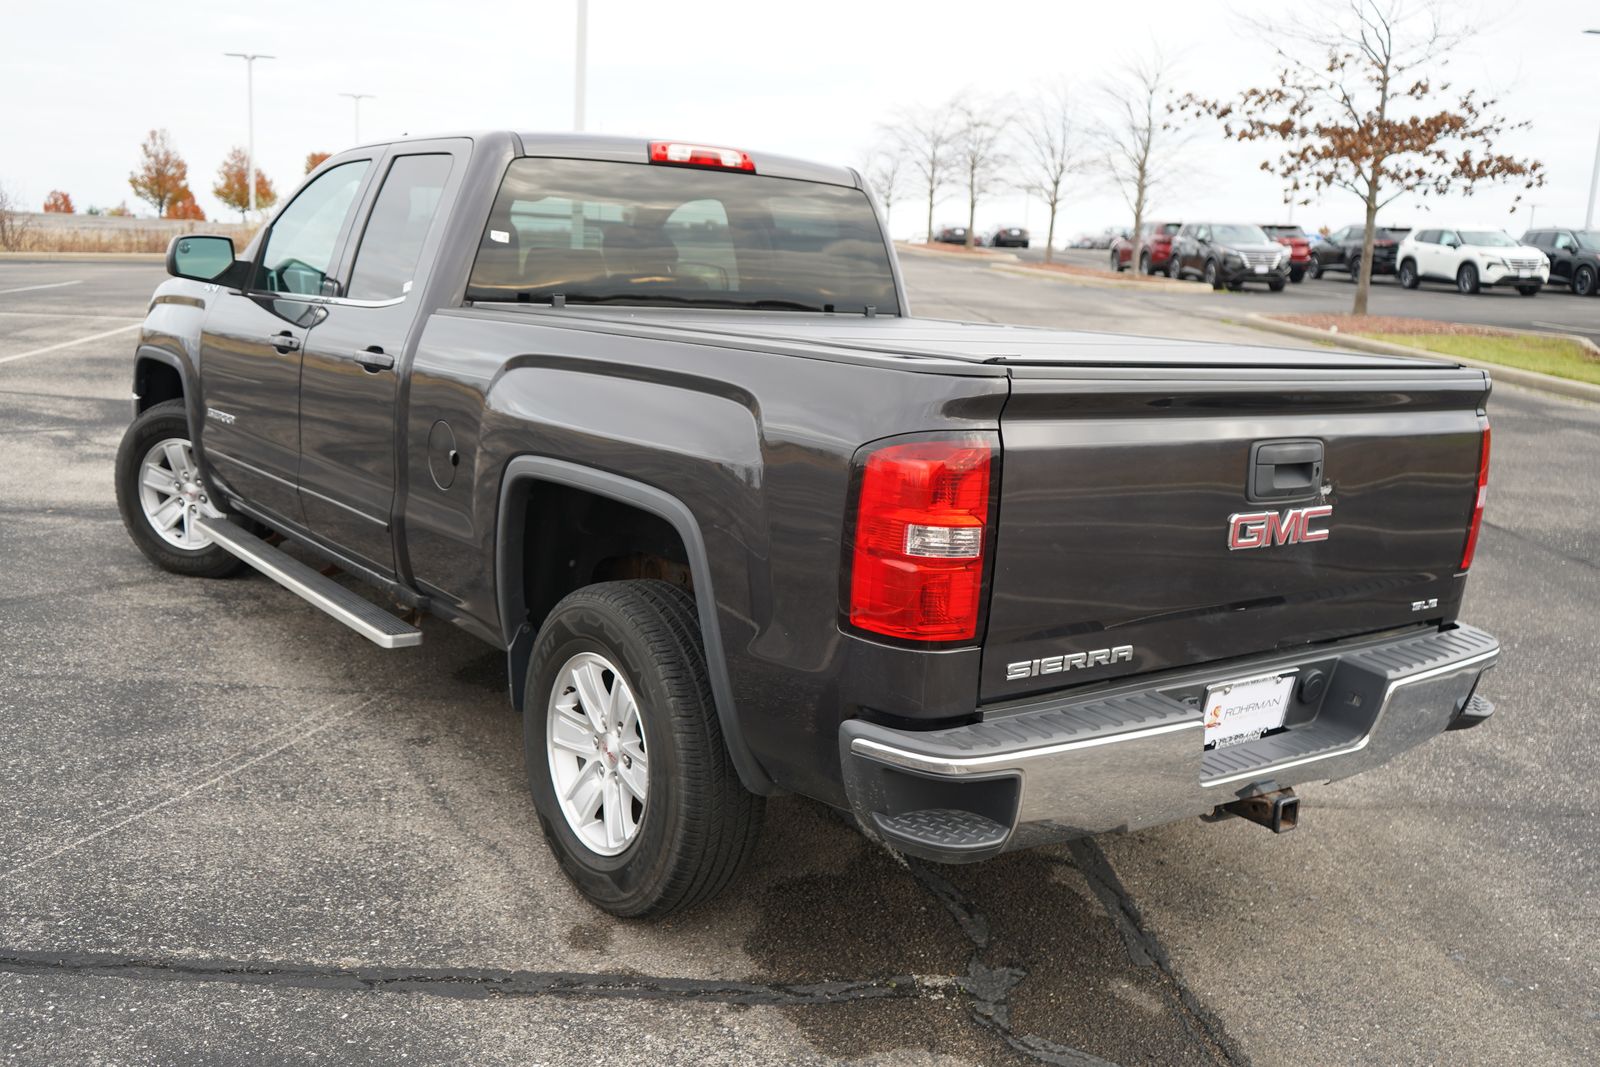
(1228, 255)
(1002, 237)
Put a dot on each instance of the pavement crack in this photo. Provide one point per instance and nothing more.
(467, 983)
(1144, 950)
(1536, 543)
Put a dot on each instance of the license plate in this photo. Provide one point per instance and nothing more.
(1524, 273)
(1237, 712)
(1261, 270)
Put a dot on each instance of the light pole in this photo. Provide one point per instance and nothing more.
(580, 66)
(356, 98)
(250, 118)
(1594, 177)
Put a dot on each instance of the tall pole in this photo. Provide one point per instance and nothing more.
(250, 119)
(356, 98)
(1594, 178)
(580, 66)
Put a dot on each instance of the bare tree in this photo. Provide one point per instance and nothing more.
(980, 152)
(14, 225)
(1135, 137)
(925, 138)
(886, 176)
(1048, 138)
(1350, 105)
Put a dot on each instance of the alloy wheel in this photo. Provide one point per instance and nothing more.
(173, 497)
(594, 738)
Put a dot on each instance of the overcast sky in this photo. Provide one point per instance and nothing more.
(83, 82)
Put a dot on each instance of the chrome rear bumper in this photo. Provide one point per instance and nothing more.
(1134, 756)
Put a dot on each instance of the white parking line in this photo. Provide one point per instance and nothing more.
(31, 288)
(69, 344)
(1567, 326)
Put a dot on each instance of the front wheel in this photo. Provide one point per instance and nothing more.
(635, 789)
(1528, 290)
(162, 495)
(1116, 261)
(1144, 263)
(1355, 268)
(1276, 286)
(1408, 275)
(1467, 279)
(1212, 276)
(1583, 281)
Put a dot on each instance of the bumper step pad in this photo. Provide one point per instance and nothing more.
(945, 830)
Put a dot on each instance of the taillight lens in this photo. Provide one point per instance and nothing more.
(1477, 508)
(920, 537)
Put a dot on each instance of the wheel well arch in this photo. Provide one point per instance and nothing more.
(561, 526)
(156, 379)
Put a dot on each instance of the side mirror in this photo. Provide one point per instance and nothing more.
(200, 257)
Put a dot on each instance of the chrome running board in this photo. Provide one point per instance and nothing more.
(361, 615)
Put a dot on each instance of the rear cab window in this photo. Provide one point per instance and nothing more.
(615, 233)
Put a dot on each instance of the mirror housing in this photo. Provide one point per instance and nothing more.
(205, 258)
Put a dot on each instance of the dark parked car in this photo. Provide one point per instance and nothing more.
(653, 421)
(1226, 255)
(955, 235)
(1298, 243)
(1574, 257)
(1342, 251)
(1156, 252)
(1009, 237)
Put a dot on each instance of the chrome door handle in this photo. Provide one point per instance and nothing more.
(374, 360)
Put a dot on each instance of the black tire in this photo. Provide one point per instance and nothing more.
(1528, 290)
(1173, 270)
(1583, 280)
(1355, 268)
(699, 825)
(1276, 286)
(1144, 263)
(1297, 275)
(165, 421)
(1212, 276)
(1316, 270)
(1116, 261)
(1407, 274)
(1467, 279)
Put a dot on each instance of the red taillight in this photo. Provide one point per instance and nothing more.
(700, 155)
(922, 511)
(1477, 508)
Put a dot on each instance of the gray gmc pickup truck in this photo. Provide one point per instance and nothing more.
(655, 419)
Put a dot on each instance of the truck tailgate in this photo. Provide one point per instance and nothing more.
(1119, 488)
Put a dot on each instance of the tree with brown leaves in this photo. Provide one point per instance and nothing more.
(315, 160)
(183, 206)
(233, 184)
(161, 171)
(59, 203)
(1356, 107)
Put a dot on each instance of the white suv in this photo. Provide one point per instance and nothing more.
(1471, 257)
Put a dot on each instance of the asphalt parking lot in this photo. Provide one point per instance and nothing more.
(237, 833)
(1555, 309)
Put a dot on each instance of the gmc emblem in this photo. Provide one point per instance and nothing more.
(1258, 529)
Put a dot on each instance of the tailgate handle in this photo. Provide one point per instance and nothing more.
(1285, 470)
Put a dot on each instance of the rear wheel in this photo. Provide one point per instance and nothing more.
(162, 495)
(1467, 279)
(1316, 269)
(1355, 268)
(1297, 275)
(1583, 281)
(635, 790)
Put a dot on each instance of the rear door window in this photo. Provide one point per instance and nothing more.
(399, 223)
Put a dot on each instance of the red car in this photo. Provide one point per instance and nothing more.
(1156, 252)
(1299, 246)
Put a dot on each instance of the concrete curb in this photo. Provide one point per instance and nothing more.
(1165, 285)
(85, 257)
(1513, 375)
(983, 256)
